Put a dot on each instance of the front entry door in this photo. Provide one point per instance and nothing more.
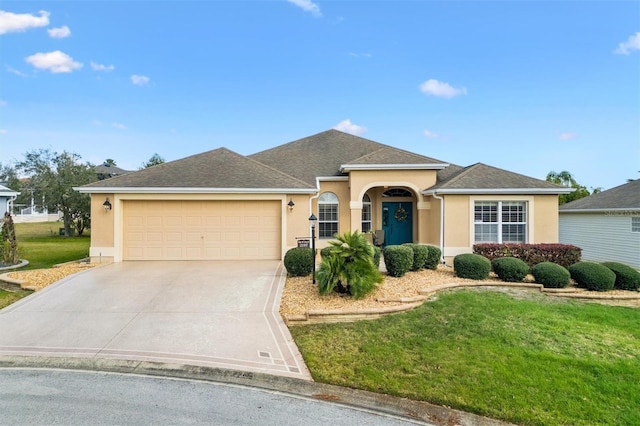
(397, 222)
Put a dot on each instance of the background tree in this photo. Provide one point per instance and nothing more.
(9, 175)
(153, 161)
(54, 175)
(566, 179)
(110, 162)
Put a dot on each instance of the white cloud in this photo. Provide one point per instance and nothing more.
(100, 67)
(119, 126)
(56, 62)
(565, 136)
(632, 43)
(16, 72)
(360, 55)
(140, 80)
(442, 90)
(19, 22)
(3, 131)
(62, 32)
(431, 135)
(307, 6)
(3, 103)
(348, 127)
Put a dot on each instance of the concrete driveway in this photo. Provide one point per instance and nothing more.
(217, 314)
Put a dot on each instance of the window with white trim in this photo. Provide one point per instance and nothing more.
(327, 215)
(366, 213)
(635, 223)
(500, 221)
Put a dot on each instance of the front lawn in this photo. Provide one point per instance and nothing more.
(534, 361)
(41, 245)
(8, 297)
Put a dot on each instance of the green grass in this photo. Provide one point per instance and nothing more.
(533, 362)
(40, 244)
(7, 298)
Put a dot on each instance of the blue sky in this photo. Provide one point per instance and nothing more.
(529, 86)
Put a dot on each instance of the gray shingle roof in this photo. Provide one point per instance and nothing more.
(322, 155)
(481, 176)
(626, 196)
(220, 168)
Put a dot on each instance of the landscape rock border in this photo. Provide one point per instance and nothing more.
(406, 304)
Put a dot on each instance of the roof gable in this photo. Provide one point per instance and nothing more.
(626, 196)
(479, 176)
(323, 154)
(219, 168)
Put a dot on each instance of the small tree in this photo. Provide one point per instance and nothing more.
(349, 267)
(153, 161)
(8, 242)
(566, 179)
(54, 175)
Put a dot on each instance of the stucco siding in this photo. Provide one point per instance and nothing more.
(601, 237)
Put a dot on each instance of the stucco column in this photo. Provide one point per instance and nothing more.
(356, 215)
(424, 216)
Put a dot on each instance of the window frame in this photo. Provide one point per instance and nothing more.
(367, 214)
(489, 222)
(328, 200)
(635, 224)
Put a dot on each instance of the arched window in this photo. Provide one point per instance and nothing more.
(396, 192)
(366, 213)
(327, 215)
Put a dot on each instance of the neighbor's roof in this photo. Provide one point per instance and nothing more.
(7, 192)
(625, 196)
(106, 169)
(324, 154)
(480, 177)
(220, 169)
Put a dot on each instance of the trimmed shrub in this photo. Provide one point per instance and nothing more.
(551, 275)
(592, 276)
(398, 259)
(627, 278)
(473, 266)
(510, 269)
(299, 261)
(562, 254)
(433, 257)
(377, 254)
(325, 252)
(420, 253)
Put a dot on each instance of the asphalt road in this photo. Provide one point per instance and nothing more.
(77, 397)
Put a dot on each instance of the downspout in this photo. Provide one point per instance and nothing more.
(441, 225)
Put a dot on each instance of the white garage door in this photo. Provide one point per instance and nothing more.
(201, 230)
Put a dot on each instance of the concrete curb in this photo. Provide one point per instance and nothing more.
(417, 411)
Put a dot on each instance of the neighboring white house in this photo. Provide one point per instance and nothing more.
(6, 199)
(606, 226)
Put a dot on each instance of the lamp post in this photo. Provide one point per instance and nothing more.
(312, 220)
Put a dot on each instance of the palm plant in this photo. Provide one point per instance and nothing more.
(349, 268)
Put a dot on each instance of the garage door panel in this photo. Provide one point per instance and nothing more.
(201, 230)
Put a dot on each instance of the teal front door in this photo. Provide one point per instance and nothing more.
(397, 222)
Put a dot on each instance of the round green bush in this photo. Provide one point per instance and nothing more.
(420, 253)
(551, 275)
(473, 266)
(433, 257)
(592, 276)
(627, 278)
(299, 261)
(510, 269)
(325, 252)
(398, 259)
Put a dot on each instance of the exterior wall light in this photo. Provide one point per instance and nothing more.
(106, 205)
(291, 204)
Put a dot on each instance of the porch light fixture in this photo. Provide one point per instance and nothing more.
(291, 204)
(313, 220)
(106, 205)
